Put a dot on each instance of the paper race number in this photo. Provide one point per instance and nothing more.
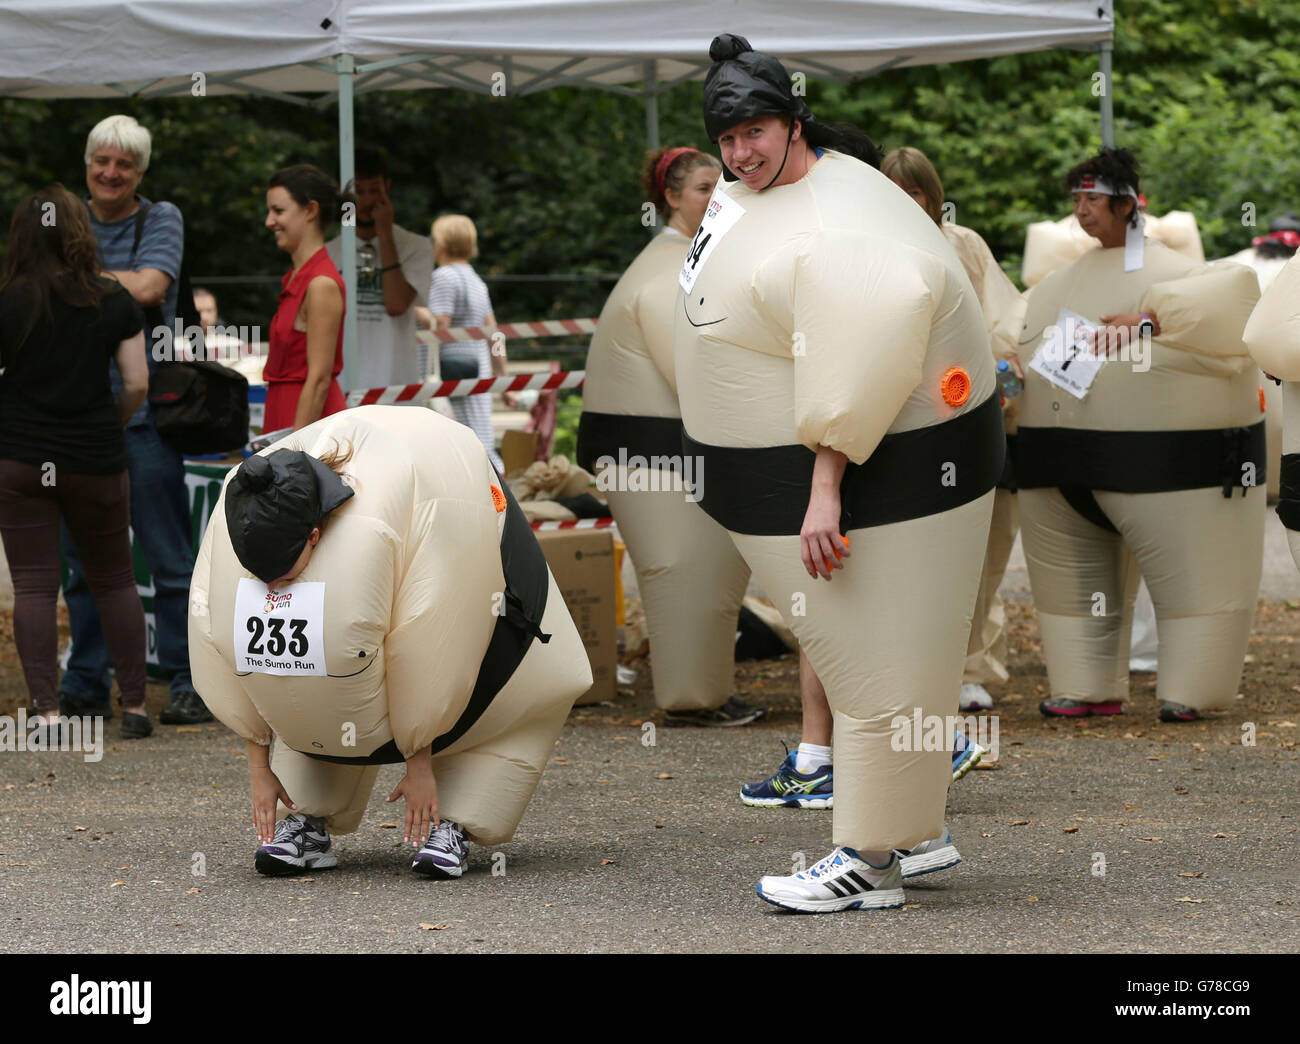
(280, 631)
(1066, 357)
(721, 213)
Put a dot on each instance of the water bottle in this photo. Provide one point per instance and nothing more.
(1008, 382)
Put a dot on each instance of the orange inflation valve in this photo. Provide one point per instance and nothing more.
(498, 500)
(955, 386)
(1263, 402)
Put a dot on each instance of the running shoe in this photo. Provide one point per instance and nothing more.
(445, 854)
(789, 788)
(841, 881)
(1171, 711)
(1064, 707)
(974, 698)
(966, 754)
(929, 856)
(733, 712)
(300, 843)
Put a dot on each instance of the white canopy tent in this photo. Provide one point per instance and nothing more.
(317, 52)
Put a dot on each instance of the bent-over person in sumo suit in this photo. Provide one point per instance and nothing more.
(399, 611)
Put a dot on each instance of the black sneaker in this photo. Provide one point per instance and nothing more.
(71, 706)
(185, 708)
(136, 726)
(733, 712)
(301, 842)
(1171, 711)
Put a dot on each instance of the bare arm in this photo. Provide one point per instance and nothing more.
(822, 546)
(134, 368)
(398, 293)
(324, 308)
(148, 285)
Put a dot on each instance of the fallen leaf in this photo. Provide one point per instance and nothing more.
(24, 864)
(387, 826)
(80, 828)
(622, 739)
(604, 781)
(1188, 899)
(1225, 835)
(116, 883)
(986, 835)
(911, 906)
(425, 926)
(1155, 839)
(606, 862)
(188, 728)
(561, 761)
(1020, 822)
(1070, 830)
(1030, 899)
(300, 879)
(1192, 874)
(192, 891)
(662, 775)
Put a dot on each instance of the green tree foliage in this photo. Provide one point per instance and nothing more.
(1205, 91)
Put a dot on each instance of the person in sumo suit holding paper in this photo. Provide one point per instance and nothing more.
(691, 578)
(836, 386)
(1142, 447)
(368, 592)
(1272, 336)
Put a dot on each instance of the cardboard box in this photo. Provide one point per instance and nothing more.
(518, 450)
(582, 561)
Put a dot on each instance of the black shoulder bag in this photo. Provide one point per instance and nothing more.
(199, 407)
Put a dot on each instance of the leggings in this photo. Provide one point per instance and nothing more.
(97, 511)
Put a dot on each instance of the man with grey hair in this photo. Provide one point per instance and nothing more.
(141, 245)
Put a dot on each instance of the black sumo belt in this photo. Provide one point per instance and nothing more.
(527, 584)
(764, 491)
(1078, 461)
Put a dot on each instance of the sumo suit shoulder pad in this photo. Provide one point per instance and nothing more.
(1205, 311)
(863, 308)
(1272, 334)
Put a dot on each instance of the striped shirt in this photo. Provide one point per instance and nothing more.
(457, 291)
(162, 242)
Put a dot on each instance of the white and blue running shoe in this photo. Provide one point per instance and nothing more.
(966, 754)
(929, 856)
(841, 881)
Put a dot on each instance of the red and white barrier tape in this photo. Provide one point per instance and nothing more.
(581, 523)
(418, 394)
(540, 328)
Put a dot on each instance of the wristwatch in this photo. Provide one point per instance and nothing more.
(1147, 326)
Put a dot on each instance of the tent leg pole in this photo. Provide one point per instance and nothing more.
(651, 91)
(1107, 100)
(348, 245)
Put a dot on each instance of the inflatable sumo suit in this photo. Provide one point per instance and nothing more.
(1162, 470)
(691, 577)
(1273, 338)
(441, 624)
(834, 313)
(1050, 245)
(986, 654)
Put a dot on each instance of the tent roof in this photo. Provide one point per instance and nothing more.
(151, 48)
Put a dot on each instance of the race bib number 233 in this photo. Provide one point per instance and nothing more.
(280, 631)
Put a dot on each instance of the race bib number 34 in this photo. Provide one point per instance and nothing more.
(280, 631)
(721, 213)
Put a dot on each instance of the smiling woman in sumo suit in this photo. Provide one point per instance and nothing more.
(835, 378)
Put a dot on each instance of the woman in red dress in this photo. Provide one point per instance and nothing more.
(306, 343)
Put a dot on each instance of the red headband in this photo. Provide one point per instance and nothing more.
(1287, 237)
(666, 161)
